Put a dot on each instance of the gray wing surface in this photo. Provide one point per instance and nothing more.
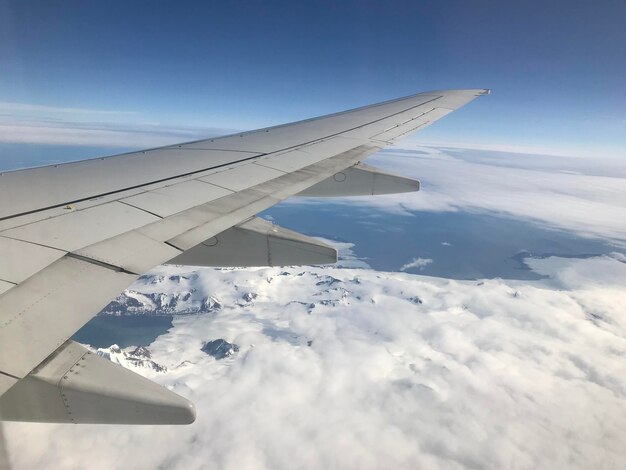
(73, 236)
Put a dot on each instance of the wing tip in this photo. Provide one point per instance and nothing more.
(463, 94)
(471, 91)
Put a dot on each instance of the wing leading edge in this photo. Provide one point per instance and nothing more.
(73, 236)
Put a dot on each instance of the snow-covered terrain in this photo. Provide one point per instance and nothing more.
(348, 368)
(162, 294)
(134, 358)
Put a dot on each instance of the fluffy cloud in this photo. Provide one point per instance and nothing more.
(416, 263)
(345, 368)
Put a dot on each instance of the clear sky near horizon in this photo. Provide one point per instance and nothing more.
(557, 68)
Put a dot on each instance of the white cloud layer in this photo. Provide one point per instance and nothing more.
(560, 151)
(99, 135)
(583, 195)
(23, 123)
(402, 371)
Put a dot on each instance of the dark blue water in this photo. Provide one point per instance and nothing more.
(462, 245)
(139, 330)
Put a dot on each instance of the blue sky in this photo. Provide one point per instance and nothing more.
(556, 68)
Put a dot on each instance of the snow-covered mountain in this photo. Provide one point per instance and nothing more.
(159, 294)
(134, 358)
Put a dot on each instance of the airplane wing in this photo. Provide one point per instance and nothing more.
(74, 235)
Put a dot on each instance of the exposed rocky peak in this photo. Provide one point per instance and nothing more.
(151, 279)
(328, 281)
(210, 304)
(246, 299)
(182, 277)
(141, 351)
(219, 348)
